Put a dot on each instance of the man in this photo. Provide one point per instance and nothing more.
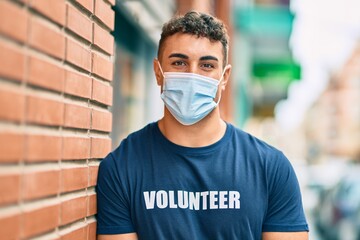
(191, 175)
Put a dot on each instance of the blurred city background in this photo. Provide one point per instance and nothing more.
(295, 84)
(76, 77)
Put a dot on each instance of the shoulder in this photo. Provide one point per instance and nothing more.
(129, 145)
(136, 139)
(277, 167)
(254, 145)
(140, 136)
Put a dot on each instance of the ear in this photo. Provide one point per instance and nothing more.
(226, 77)
(158, 73)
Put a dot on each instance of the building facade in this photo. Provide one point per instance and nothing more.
(332, 125)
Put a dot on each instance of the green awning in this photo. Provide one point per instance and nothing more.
(264, 20)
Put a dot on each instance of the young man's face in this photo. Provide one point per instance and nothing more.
(189, 53)
(183, 52)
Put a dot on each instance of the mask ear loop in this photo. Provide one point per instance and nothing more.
(162, 73)
(222, 77)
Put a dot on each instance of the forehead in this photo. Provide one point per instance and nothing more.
(192, 46)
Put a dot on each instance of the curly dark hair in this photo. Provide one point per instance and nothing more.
(199, 24)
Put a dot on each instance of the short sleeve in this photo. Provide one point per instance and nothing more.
(113, 213)
(285, 211)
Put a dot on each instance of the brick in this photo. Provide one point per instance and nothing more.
(45, 74)
(77, 84)
(74, 178)
(102, 93)
(38, 184)
(75, 148)
(102, 67)
(88, 4)
(12, 105)
(44, 111)
(11, 147)
(92, 231)
(103, 39)
(10, 226)
(79, 23)
(12, 62)
(54, 10)
(42, 148)
(78, 55)
(104, 12)
(13, 17)
(91, 205)
(46, 39)
(77, 116)
(73, 209)
(93, 173)
(10, 188)
(40, 220)
(100, 147)
(80, 233)
(101, 121)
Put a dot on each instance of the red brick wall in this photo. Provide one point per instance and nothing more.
(56, 67)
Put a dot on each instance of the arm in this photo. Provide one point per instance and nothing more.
(127, 236)
(285, 236)
(113, 209)
(285, 217)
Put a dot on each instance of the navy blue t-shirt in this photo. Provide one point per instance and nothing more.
(236, 188)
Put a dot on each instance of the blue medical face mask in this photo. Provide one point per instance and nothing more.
(188, 96)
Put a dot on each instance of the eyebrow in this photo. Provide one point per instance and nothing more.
(209, 57)
(180, 55)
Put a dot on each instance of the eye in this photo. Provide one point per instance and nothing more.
(178, 63)
(207, 66)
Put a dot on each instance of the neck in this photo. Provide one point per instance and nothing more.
(206, 132)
